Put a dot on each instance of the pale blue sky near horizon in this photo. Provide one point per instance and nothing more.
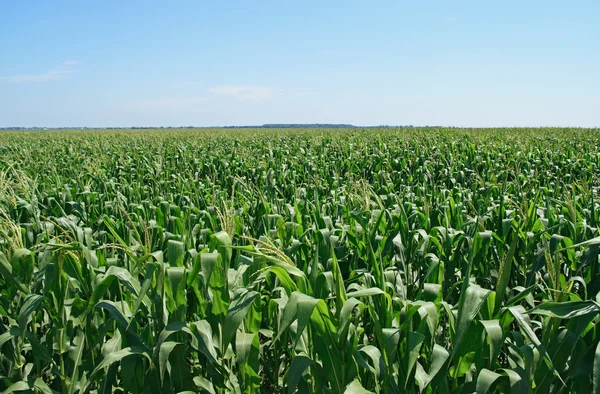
(200, 63)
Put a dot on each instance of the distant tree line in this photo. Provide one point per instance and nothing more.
(264, 126)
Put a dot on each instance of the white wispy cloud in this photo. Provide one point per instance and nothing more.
(301, 92)
(53, 74)
(210, 98)
(243, 92)
(169, 103)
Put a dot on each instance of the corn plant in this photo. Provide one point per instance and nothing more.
(326, 261)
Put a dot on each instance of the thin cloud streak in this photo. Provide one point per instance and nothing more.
(215, 97)
(169, 103)
(243, 92)
(299, 92)
(60, 72)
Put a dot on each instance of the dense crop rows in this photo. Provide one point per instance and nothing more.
(386, 261)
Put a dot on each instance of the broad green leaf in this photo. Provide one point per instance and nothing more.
(349, 306)
(299, 307)
(365, 292)
(356, 388)
(146, 284)
(519, 313)
(325, 344)
(485, 380)
(206, 344)
(163, 355)
(469, 306)
(293, 375)
(7, 272)
(31, 304)
(505, 271)
(121, 317)
(495, 338)
(237, 312)
(132, 367)
(114, 272)
(19, 386)
(23, 262)
(415, 341)
(377, 366)
(247, 349)
(117, 357)
(518, 384)
(596, 373)
(176, 293)
(175, 253)
(76, 354)
(223, 244)
(567, 309)
(112, 345)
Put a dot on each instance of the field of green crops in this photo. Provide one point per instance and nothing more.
(309, 261)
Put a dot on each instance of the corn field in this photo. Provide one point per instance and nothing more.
(413, 260)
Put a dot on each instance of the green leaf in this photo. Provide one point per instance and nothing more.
(180, 372)
(495, 337)
(196, 268)
(596, 373)
(356, 388)
(505, 270)
(120, 316)
(245, 344)
(290, 269)
(485, 380)
(567, 309)
(175, 253)
(340, 291)
(176, 293)
(75, 354)
(23, 262)
(170, 329)
(204, 384)
(518, 384)
(117, 357)
(222, 242)
(589, 242)
(325, 344)
(7, 272)
(371, 291)
(299, 306)
(439, 356)
(349, 306)
(247, 349)
(209, 262)
(235, 314)
(377, 366)
(31, 304)
(519, 314)
(206, 344)
(18, 386)
(415, 341)
(284, 279)
(293, 375)
(163, 356)
(132, 367)
(112, 345)
(146, 284)
(112, 273)
(469, 305)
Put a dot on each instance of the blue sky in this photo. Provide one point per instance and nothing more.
(162, 63)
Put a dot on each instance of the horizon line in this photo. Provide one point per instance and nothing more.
(287, 125)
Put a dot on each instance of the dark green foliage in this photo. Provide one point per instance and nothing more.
(388, 261)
